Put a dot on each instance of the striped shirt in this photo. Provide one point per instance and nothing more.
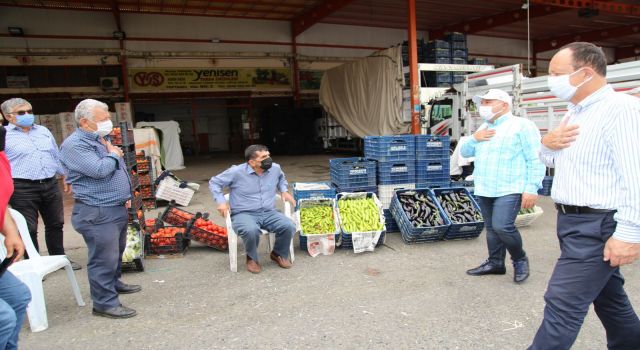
(33, 155)
(99, 178)
(601, 168)
(508, 163)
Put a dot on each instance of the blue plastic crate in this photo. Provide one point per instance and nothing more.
(458, 45)
(439, 60)
(438, 44)
(547, 182)
(396, 172)
(455, 36)
(353, 172)
(439, 77)
(432, 173)
(432, 147)
(390, 222)
(466, 230)
(459, 54)
(436, 52)
(411, 234)
(389, 148)
(372, 189)
(458, 61)
(312, 193)
(303, 238)
(477, 60)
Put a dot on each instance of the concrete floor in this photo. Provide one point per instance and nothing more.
(400, 296)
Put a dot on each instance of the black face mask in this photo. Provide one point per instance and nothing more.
(266, 163)
(3, 133)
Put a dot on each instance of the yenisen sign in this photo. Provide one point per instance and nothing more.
(164, 79)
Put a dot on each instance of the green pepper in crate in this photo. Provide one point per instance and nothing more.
(317, 220)
(359, 215)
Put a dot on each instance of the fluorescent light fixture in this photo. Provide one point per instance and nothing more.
(15, 31)
(120, 35)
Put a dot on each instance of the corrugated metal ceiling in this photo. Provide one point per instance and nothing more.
(432, 15)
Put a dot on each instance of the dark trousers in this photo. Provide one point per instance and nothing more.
(46, 199)
(104, 230)
(581, 278)
(499, 215)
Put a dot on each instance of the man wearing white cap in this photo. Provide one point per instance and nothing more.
(507, 176)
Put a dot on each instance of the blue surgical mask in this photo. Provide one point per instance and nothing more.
(25, 120)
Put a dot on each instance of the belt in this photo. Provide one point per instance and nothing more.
(35, 181)
(81, 202)
(572, 209)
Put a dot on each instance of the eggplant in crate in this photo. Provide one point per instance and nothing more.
(463, 212)
(419, 216)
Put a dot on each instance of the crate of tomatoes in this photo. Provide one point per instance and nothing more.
(176, 216)
(166, 240)
(206, 232)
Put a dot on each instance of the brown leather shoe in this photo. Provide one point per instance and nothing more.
(282, 262)
(253, 266)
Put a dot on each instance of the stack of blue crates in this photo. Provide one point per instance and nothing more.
(458, 45)
(396, 163)
(432, 161)
(353, 174)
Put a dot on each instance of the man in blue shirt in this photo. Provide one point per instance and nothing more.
(253, 186)
(507, 176)
(35, 161)
(102, 192)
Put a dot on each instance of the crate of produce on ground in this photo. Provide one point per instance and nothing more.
(360, 214)
(419, 216)
(317, 217)
(463, 212)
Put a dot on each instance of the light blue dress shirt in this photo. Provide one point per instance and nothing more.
(508, 163)
(33, 155)
(249, 192)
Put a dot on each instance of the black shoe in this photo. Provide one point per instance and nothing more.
(75, 266)
(128, 288)
(115, 312)
(487, 268)
(520, 269)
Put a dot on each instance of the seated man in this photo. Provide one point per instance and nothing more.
(253, 187)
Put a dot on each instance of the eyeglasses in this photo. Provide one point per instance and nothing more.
(22, 112)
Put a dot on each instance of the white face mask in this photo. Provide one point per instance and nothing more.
(486, 112)
(104, 128)
(561, 87)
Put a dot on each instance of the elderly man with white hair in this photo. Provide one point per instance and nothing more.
(507, 176)
(35, 161)
(102, 192)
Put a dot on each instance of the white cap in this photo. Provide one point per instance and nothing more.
(493, 94)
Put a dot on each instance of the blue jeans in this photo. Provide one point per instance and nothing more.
(582, 278)
(14, 298)
(499, 215)
(248, 224)
(104, 230)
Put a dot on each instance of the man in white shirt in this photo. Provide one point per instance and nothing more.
(597, 194)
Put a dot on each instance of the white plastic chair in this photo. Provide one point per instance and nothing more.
(233, 237)
(32, 270)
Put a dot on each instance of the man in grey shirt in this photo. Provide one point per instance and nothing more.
(253, 186)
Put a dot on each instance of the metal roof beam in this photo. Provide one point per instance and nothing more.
(600, 5)
(542, 45)
(500, 19)
(306, 20)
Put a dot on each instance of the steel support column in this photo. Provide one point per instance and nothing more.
(296, 81)
(413, 68)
